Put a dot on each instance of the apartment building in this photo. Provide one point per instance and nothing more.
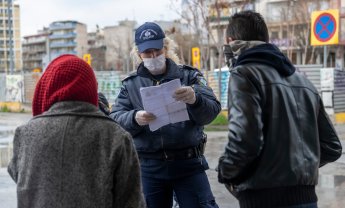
(289, 25)
(119, 40)
(218, 16)
(10, 40)
(97, 49)
(67, 37)
(34, 50)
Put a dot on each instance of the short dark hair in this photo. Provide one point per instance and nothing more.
(247, 25)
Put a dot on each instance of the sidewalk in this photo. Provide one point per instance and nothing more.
(331, 188)
(8, 198)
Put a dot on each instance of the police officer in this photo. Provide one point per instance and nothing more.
(171, 157)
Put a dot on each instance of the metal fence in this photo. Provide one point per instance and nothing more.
(109, 83)
(312, 72)
(21, 87)
(339, 91)
(2, 87)
(213, 81)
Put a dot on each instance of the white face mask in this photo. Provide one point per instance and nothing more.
(155, 65)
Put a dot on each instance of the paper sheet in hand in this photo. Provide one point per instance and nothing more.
(159, 101)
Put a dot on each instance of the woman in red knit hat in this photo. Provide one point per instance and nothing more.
(71, 154)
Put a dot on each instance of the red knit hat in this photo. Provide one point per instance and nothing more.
(67, 78)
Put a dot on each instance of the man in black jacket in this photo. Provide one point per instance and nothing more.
(279, 132)
(171, 157)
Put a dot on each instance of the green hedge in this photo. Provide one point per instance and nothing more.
(220, 120)
(5, 109)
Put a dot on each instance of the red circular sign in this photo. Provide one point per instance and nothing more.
(324, 27)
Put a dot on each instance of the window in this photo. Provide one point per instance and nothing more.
(275, 11)
(284, 34)
(274, 35)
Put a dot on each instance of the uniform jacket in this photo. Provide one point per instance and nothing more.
(173, 136)
(279, 132)
(74, 156)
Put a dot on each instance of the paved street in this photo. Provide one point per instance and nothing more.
(331, 188)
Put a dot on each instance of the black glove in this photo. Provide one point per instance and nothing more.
(103, 104)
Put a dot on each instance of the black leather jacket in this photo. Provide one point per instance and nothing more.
(173, 136)
(279, 132)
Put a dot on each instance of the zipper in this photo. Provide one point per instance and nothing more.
(156, 83)
(162, 144)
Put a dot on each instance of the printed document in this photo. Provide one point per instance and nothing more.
(159, 101)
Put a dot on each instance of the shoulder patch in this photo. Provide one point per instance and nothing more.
(132, 74)
(196, 74)
(201, 80)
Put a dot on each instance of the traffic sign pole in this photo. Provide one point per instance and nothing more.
(324, 56)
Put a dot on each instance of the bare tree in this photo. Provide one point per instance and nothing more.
(195, 13)
(184, 43)
(207, 20)
(118, 40)
(296, 19)
(302, 13)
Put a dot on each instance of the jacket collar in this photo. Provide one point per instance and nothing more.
(73, 107)
(172, 72)
(267, 54)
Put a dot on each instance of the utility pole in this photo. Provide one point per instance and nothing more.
(10, 32)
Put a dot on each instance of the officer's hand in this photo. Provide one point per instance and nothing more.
(185, 94)
(143, 117)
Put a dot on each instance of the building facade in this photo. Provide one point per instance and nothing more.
(97, 49)
(289, 25)
(66, 37)
(119, 40)
(34, 50)
(10, 40)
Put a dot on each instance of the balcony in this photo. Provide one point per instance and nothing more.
(62, 26)
(63, 45)
(237, 1)
(63, 36)
(33, 50)
(55, 54)
(34, 42)
(33, 58)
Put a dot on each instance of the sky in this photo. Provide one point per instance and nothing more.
(36, 14)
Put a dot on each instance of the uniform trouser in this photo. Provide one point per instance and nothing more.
(191, 192)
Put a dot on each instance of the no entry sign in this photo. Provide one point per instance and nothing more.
(325, 27)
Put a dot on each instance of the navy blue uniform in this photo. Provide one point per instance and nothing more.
(174, 152)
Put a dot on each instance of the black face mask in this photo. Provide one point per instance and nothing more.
(229, 56)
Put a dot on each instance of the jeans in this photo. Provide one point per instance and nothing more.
(310, 205)
(191, 192)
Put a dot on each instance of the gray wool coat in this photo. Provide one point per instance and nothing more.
(74, 156)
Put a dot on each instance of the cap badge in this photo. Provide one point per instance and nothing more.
(147, 34)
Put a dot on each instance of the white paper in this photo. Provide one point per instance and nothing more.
(159, 101)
